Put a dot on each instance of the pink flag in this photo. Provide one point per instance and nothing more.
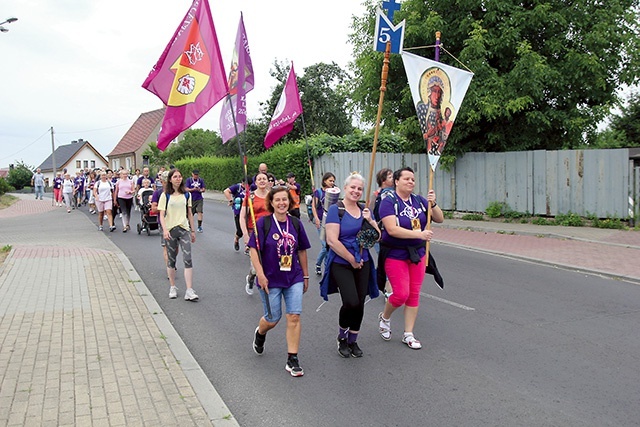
(189, 76)
(287, 111)
(240, 83)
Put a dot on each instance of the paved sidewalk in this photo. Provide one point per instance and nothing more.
(83, 342)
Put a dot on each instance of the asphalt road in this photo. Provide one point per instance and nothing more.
(507, 343)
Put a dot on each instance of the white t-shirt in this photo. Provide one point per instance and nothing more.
(104, 191)
(67, 186)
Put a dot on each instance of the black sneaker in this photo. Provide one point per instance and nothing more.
(236, 245)
(355, 350)
(293, 367)
(343, 348)
(318, 270)
(258, 342)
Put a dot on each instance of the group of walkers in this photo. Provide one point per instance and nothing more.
(267, 219)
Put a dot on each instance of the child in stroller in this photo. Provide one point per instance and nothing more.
(148, 218)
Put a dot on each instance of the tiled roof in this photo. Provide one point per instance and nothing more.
(138, 133)
(64, 153)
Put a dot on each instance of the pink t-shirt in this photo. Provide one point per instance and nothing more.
(125, 188)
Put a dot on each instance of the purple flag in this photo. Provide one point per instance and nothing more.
(189, 76)
(287, 111)
(240, 83)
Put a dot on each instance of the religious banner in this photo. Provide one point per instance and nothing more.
(438, 91)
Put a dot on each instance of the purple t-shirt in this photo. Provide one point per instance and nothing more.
(319, 209)
(57, 182)
(406, 211)
(139, 183)
(281, 241)
(349, 227)
(155, 197)
(195, 183)
(78, 182)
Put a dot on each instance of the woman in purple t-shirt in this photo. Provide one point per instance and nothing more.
(282, 272)
(404, 216)
(351, 267)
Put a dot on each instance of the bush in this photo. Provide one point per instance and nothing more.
(496, 209)
(542, 221)
(569, 219)
(4, 186)
(19, 177)
(473, 217)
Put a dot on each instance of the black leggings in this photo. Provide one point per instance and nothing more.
(353, 285)
(236, 218)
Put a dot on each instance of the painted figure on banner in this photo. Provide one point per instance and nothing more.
(435, 112)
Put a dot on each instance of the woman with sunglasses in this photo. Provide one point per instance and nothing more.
(258, 201)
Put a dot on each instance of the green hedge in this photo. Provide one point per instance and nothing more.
(221, 172)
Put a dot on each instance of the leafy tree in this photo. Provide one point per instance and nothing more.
(20, 176)
(545, 72)
(324, 97)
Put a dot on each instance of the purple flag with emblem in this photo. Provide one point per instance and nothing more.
(240, 83)
(287, 111)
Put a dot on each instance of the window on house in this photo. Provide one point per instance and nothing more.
(93, 164)
(128, 162)
(78, 164)
(85, 164)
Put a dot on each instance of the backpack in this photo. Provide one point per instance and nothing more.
(376, 207)
(186, 198)
(341, 211)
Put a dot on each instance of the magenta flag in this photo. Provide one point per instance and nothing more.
(287, 111)
(189, 77)
(240, 83)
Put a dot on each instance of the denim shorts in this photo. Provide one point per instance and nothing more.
(292, 301)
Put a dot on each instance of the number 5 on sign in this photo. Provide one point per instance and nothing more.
(386, 31)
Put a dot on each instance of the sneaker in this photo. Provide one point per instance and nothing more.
(411, 341)
(258, 342)
(120, 215)
(387, 294)
(190, 295)
(343, 348)
(173, 292)
(318, 270)
(246, 250)
(248, 287)
(100, 228)
(355, 350)
(112, 228)
(385, 327)
(199, 229)
(236, 245)
(293, 367)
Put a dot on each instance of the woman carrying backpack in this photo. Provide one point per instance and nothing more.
(328, 181)
(350, 267)
(282, 272)
(176, 220)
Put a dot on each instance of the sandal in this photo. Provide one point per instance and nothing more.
(385, 327)
(411, 341)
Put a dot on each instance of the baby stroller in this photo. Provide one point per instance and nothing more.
(148, 220)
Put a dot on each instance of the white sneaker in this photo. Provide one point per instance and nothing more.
(173, 292)
(249, 285)
(190, 295)
(411, 341)
(385, 327)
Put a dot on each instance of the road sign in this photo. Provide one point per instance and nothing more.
(386, 31)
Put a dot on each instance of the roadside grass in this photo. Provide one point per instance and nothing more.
(7, 200)
(4, 253)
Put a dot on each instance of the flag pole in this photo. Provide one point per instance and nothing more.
(383, 89)
(437, 58)
(306, 142)
(247, 192)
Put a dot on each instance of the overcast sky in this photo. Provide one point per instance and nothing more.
(78, 65)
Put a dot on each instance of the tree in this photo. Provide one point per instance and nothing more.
(20, 176)
(324, 97)
(546, 73)
(624, 128)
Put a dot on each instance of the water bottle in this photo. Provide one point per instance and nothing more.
(237, 202)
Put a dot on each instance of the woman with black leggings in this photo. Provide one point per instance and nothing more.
(351, 270)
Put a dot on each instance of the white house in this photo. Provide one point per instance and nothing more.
(79, 155)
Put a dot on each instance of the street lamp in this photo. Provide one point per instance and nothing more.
(7, 21)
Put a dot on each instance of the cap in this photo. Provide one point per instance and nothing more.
(291, 175)
(196, 172)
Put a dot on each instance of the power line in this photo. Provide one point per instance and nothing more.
(95, 130)
(27, 146)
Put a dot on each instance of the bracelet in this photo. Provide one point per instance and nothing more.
(434, 205)
(305, 277)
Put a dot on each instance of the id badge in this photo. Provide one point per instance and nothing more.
(415, 224)
(285, 262)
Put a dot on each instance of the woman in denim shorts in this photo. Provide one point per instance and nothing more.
(282, 272)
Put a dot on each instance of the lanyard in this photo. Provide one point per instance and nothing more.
(285, 242)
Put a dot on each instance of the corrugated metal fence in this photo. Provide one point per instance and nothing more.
(600, 182)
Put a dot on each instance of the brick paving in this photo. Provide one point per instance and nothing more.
(78, 342)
